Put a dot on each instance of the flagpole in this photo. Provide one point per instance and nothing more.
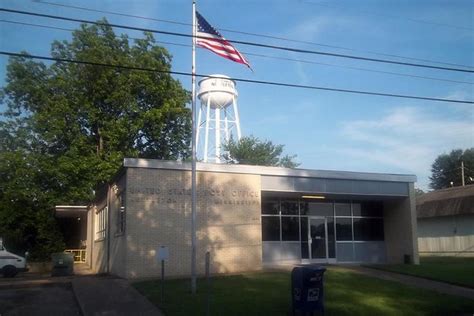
(193, 164)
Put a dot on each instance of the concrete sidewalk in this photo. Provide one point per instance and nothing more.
(413, 281)
(110, 296)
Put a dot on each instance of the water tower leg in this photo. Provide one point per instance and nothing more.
(237, 119)
(226, 125)
(206, 137)
(198, 125)
(218, 135)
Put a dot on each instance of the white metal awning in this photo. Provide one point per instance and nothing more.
(70, 210)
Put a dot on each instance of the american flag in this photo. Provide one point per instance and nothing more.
(208, 37)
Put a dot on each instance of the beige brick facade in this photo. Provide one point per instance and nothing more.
(156, 198)
(158, 213)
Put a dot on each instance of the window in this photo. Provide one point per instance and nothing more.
(289, 208)
(271, 207)
(270, 228)
(290, 228)
(343, 229)
(368, 229)
(100, 223)
(343, 209)
(121, 214)
(369, 208)
(317, 209)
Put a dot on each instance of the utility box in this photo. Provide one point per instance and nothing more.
(307, 289)
(63, 264)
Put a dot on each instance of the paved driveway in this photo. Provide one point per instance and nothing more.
(51, 299)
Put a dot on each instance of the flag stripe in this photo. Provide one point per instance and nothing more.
(227, 55)
(211, 45)
(216, 50)
(217, 45)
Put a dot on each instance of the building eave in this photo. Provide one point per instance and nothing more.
(267, 171)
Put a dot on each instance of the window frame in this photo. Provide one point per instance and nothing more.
(121, 215)
(100, 231)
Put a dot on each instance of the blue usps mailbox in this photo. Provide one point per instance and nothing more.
(307, 289)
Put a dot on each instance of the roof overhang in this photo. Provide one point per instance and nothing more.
(67, 211)
(267, 171)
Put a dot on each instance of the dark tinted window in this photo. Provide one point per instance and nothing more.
(343, 229)
(331, 239)
(368, 208)
(368, 229)
(317, 209)
(290, 228)
(270, 228)
(270, 207)
(304, 228)
(289, 208)
(343, 209)
(304, 250)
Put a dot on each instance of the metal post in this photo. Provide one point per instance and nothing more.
(198, 127)
(218, 135)
(237, 119)
(162, 281)
(206, 132)
(226, 126)
(193, 163)
(208, 279)
(462, 173)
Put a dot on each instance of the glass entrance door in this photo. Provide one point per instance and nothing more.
(318, 238)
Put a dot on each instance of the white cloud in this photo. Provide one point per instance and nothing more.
(310, 30)
(407, 139)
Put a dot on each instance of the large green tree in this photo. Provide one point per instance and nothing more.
(447, 168)
(253, 151)
(68, 126)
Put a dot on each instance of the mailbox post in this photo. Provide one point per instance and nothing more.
(163, 254)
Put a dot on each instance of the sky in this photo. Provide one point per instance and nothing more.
(326, 130)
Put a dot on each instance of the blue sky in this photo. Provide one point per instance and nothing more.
(326, 130)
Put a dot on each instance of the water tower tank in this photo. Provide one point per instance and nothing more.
(218, 90)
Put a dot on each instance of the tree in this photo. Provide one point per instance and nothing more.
(447, 168)
(68, 126)
(253, 151)
(419, 192)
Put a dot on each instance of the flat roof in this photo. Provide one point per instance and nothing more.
(267, 171)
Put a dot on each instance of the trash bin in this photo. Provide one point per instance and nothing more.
(307, 289)
(406, 259)
(63, 264)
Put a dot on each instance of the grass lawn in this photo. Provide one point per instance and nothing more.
(268, 293)
(456, 270)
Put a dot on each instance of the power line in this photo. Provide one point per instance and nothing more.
(296, 50)
(391, 16)
(271, 83)
(268, 56)
(247, 33)
(358, 68)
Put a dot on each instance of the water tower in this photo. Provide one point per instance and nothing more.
(218, 117)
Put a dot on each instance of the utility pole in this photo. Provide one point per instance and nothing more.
(462, 173)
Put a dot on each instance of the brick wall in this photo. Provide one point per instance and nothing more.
(117, 262)
(158, 208)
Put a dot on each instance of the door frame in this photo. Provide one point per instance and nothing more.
(310, 241)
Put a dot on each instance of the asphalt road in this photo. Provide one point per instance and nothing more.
(52, 299)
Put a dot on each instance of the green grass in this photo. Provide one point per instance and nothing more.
(455, 270)
(268, 293)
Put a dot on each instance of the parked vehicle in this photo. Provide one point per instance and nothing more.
(10, 264)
